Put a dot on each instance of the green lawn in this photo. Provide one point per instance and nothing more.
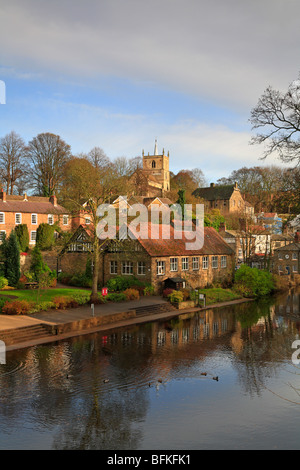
(45, 295)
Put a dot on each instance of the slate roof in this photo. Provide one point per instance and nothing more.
(290, 247)
(214, 193)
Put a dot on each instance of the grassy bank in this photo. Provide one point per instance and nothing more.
(217, 294)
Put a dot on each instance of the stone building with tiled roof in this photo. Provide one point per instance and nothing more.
(226, 198)
(31, 211)
(156, 260)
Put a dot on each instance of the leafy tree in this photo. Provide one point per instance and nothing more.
(277, 119)
(12, 159)
(12, 259)
(253, 282)
(48, 154)
(22, 236)
(45, 236)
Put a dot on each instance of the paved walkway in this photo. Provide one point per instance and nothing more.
(74, 314)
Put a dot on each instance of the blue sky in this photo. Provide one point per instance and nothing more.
(119, 75)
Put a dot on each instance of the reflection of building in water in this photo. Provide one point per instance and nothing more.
(290, 304)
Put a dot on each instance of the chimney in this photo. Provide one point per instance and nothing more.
(222, 227)
(212, 185)
(53, 200)
(297, 237)
(3, 196)
(25, 197)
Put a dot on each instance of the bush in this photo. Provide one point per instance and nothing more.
(186, 294)
(61, 302)
(81, 298)
(45, 236)
(131, 294)
(80, 280)
(16, 307)
(167, 292)
(253, 282)
(3, 282)
(12, 259)
(149, 290)
(116, 297)
(176, 296)
(121, 283)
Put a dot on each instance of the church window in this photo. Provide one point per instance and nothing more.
(153, 164)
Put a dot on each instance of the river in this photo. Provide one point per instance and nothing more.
(215, 379)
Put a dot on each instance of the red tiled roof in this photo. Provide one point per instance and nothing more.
(33, 204)
(213, 243)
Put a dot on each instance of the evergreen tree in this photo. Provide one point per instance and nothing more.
(22, 236)
(45, 236)
(12, 260)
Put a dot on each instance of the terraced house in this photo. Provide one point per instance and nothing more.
(32, 211)
(158, 261)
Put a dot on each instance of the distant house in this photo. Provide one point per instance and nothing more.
(159, 260)
(270, 221)
(227, 198)
(286, 259)
(294, 224)
(31, 211)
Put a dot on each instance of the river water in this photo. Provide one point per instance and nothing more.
(144, 387)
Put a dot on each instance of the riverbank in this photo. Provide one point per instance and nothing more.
(21, 331)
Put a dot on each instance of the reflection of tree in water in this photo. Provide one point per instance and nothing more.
(266, 345)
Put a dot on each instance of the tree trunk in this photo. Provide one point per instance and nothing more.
(94, 299)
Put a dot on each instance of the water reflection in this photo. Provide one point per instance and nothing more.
(98, 391)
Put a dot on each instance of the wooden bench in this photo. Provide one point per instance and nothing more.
(31, 285)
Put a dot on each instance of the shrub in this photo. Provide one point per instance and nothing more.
(149, 290)
(120, 283)
(186, 294)
(16, 307)
(45, 236)
(80, 280)
(61, 302)
(81, 298)
(253, 282)
(116, 297)
(167, 292)
(3, 282)
(176, 296)
(131, 294)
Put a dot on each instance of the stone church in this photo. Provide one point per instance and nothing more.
(153, 179)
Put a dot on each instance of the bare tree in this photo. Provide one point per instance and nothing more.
(277, 115)
(48, 154)
(12, 155)
(98, 158)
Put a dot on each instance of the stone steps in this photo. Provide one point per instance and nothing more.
(154, 309)
(24, 334)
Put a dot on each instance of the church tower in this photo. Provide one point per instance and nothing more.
(156, 166)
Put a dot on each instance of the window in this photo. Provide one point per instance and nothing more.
(18, 218)
(34, 219)
(205, 262)
(184, 264)
(153, 164)
(113, 267)
(127, 267)
(87, 221)
(2, 235)
(214, 262)
(50, 219)
(223, 261)
(295, 269)
(141, 268)
(294, 256)
(173, 264)
(280, 256)
(65, 219)
(195, 263)
(160, 268)
(33, 236)
(2, 218)
(280, 268)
